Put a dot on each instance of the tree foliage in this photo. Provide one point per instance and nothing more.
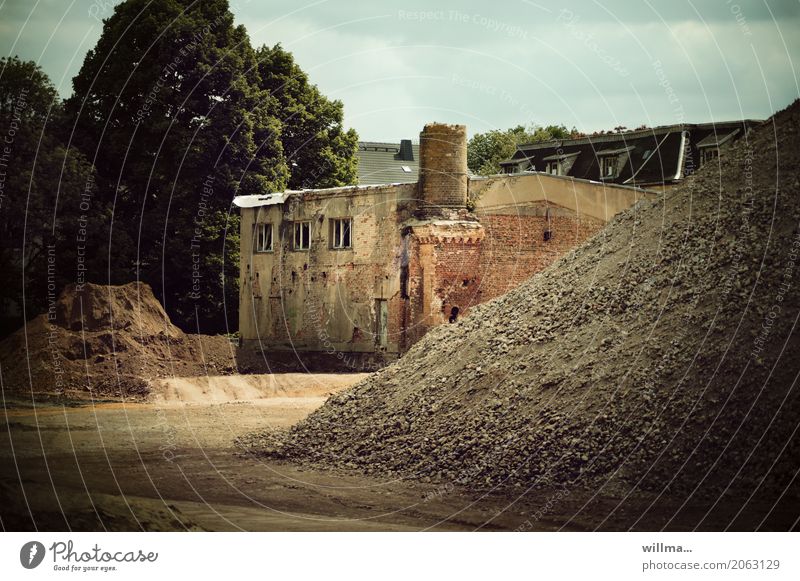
(41, 188)
(179, 114)
(319, 151)
(485, 151)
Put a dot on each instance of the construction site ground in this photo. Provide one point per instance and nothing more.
(171, 464)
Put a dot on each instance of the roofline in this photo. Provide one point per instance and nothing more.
(635, 134)
(565, 178)
(396, 144)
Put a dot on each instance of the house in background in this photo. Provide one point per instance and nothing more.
(349, 278)
(388, 163)
(654, 157)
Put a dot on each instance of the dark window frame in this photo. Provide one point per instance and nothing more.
(257, 246)
(301, 235)
(341, 233)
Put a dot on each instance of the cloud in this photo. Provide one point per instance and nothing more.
(580, 62)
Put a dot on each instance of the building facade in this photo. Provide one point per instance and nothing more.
(349, 278)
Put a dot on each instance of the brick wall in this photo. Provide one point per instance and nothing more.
(464, 272)
(459, 276)
(514, 248)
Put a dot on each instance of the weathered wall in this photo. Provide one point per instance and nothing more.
(325, 299)
(516, 248)
(505, 194)
(444, 255)
(327, 302)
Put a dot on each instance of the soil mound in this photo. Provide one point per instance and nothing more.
(660, 355)
(131, 307)
(107, 341)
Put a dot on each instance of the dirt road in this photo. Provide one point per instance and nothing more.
(171, 465)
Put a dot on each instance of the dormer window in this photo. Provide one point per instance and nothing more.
(560, 163)
(611, 161)
(710, 146)
(708, 153)
(608, 166)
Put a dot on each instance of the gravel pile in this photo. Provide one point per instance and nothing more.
(662, 354)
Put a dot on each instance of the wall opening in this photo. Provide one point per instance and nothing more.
(382, 323)
(453, 315)
(404, 282)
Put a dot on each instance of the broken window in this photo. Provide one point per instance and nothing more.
(263, 238)
(342, 233)
(302, 235)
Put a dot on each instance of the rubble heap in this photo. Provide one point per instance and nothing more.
(659, 355)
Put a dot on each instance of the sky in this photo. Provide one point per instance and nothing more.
(397, 65)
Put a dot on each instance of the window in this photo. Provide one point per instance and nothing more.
(263, 237)
(554, 168)
(342, 233)
(608, 166)
(709, 153)
(302, 235)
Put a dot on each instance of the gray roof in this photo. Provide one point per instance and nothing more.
(716, 139)
(380, 163)
(616, 151)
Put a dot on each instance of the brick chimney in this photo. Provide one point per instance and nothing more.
(443, 169)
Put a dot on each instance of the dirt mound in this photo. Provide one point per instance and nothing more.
(131, 307)
(106, 341)
(660, 355)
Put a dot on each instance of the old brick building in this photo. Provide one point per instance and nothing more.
(351, 277)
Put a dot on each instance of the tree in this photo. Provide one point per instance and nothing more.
(42, 186)
(320, 153)
(169, 106)
(485, 151)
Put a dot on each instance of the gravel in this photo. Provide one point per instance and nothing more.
(660, 356)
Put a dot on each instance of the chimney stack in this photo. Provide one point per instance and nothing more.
(443, 169)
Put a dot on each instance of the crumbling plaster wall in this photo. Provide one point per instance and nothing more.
(325, 299)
